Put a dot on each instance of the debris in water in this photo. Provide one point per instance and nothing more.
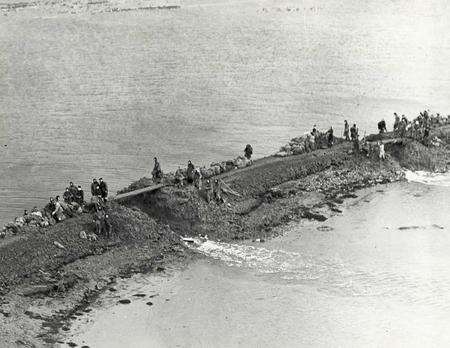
(139, 295)
(408, 228)
(325, 228)
(149, 303)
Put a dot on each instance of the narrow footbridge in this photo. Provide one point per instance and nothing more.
(138, 192)
(387, 141)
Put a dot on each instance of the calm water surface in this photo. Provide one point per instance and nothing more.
(375, 276)
(87, 93)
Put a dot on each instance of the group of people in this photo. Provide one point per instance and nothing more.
(419, 128)
(57, 209)
(99, 189)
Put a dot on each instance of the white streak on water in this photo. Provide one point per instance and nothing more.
(427, 178)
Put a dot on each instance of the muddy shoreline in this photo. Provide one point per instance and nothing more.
(44, 288)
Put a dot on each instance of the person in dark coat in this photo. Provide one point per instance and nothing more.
(248, 151)
(330, 137)
(67, 196)
(353, 132)
(79, 196)
(73, 189)
(103, 188)
(95, 188)
(190, 172)
(382, 126)
(157, 173)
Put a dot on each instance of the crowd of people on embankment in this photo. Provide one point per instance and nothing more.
(211, 188)
(418, 129)
(202, 177)
(72, 204)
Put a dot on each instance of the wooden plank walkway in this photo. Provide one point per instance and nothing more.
(138, 192)
(388, 141)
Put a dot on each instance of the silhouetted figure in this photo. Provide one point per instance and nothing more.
(95, 188)
(157, 173)
(103, 188)
(330, 137)
(190, 172)
(346, 131)
(248, 151)
(382, 126)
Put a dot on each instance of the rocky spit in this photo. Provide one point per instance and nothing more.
(50, 276)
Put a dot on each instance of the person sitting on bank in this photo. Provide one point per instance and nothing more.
(79, 197)
(179, 177)
(103, 189)
(190, 172)
(157, 173)
(248, 151)
(382, 126)
(58, 213)
(73, 189)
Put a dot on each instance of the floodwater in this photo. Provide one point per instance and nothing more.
(97, 88)
(376, 275)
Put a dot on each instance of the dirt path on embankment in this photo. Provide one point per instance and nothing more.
(44, 287)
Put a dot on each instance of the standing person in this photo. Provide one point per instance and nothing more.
(346, 131)
(190, 172)
(156, 172)
(381, 152)
(95, 188)
(248, 151)
(208, 190)
(103, 186)
(314, 131)
(354, 135)
(396, 122)
(330, 137)
(67, 196)
(353, 132)
(198, 178)
(217, 190)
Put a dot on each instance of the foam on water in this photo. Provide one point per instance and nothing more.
(427, 178)
(330, 276)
